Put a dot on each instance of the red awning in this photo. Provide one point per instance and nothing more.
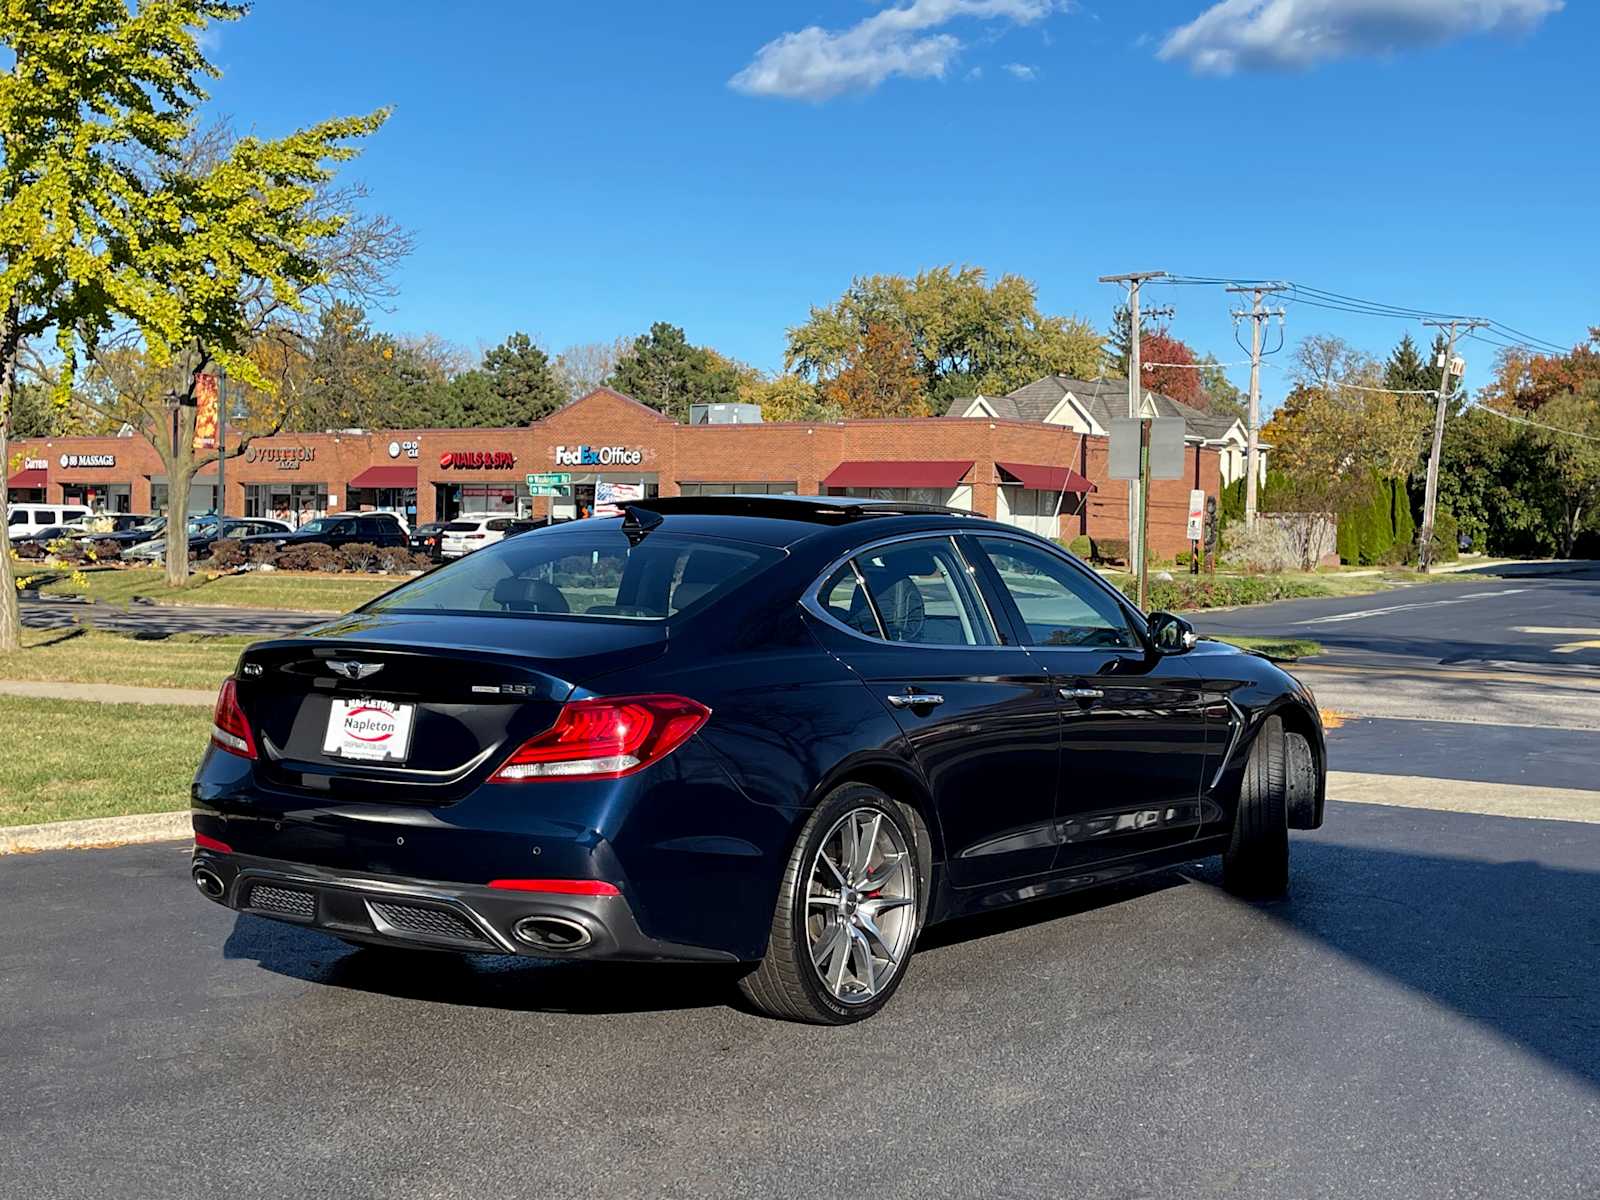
(35, 477)
(1045, 479)
(937, 474)
(386, 477)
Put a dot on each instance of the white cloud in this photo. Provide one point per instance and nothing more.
(818, 64)
(1022, 71)
(1254, 35)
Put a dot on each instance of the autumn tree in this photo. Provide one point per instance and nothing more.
(1527, 381)
(965, 335)
(1171, 369)
(879, 377)
(88, 87)
(788, 397)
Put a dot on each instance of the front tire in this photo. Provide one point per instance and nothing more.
(847, 916)
(1256, 862)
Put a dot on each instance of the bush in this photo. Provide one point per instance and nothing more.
(313, 556)
(359, 556)
(69, 552)
(397, 560)
(1188, 592)
(226, 553)
(1263, 548)
(1109, 550)
(1445, 533)
(105, 550)
(29, 550)
(1081, 547)
(261, 552)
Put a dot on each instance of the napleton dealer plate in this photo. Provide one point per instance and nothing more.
(370, 730)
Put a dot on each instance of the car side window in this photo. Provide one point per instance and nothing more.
(923, 595)
(845, 600)
(1059, 606)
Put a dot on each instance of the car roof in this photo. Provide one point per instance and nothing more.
(785, 521)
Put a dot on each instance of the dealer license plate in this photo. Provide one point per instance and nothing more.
(369, 730)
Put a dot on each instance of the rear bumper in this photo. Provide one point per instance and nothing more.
(394, 910)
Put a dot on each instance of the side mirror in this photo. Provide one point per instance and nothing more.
(1170, 634)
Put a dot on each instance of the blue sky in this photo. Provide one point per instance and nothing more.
(581, 170)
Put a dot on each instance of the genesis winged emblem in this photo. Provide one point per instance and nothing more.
(354, 670)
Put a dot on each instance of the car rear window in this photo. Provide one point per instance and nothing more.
(593, 573)
(461, 527)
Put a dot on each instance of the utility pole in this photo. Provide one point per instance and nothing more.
(1133, 280)
(1430, 494)
(1257, 315)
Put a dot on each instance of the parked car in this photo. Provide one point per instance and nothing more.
(377, 529)
(23, 519)
(400, 517)
(104, 525)
(466, 534)
(789, 733)
(425, 539)
(203, 531)
(139, 534)
(50, 533)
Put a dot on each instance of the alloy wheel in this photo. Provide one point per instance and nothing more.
(860, 905)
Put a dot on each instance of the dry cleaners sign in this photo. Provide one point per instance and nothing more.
(598, 456)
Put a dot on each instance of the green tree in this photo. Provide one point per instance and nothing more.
(1569, 482)
(111, 221)
(1223, 395)
(789, 397)
(662, 369)
(1407, 371)
(966, 335)
(35, 414)
(523, 381)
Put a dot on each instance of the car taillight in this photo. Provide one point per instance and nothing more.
(473, 537)
(202, 842)
(229, 729)
(605, 739)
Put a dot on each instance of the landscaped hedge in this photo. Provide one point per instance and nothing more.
(1188, 592)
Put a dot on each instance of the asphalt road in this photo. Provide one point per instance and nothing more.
(1523, 619)
(1421, 1018)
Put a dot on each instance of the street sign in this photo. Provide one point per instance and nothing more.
(1197, 515)
(1124, 454)
(549, 479)
(545, 489)
(1166, 448)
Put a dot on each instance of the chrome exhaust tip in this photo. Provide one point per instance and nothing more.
(556, 935)
(209, 883)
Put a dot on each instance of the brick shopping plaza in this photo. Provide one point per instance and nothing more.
(1035, 459)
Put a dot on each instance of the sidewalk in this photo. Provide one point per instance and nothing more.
(106, 693)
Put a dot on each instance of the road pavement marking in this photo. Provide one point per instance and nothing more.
(1592, 636)
(1394, 608)
(1468, 796)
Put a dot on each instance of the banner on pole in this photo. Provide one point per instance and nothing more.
(206, 394)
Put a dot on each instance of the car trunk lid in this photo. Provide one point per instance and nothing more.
(472, 687)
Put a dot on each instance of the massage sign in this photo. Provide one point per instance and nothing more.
(477, 460)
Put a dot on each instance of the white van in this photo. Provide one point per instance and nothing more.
(30, 518)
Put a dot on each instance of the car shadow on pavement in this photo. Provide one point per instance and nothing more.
(480, 980)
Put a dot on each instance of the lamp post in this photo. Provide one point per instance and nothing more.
(222, 445)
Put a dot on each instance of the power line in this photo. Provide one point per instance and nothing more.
(1588, 437)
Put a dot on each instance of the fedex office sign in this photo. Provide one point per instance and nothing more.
(598, 456)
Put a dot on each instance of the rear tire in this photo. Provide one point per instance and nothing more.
(1256, 862)
(845, 924)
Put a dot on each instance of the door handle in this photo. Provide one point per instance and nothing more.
(1081, 693)
(917, 700)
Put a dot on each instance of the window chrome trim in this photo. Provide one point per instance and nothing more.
(810, 602)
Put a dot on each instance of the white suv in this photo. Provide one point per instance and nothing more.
(30, 518)
(466, 534)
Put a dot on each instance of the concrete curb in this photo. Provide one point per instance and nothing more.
(97, 831)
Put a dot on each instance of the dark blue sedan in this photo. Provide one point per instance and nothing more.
(785, 732)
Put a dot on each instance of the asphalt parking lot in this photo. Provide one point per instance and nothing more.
(1420, 1018)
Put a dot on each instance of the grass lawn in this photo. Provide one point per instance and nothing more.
(1279, 648)
(66, 759)
(184, 660)
(257, 589)
(1191, 593)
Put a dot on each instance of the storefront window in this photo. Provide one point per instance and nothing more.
(396, 500)
(202, 497)
(295, 503)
